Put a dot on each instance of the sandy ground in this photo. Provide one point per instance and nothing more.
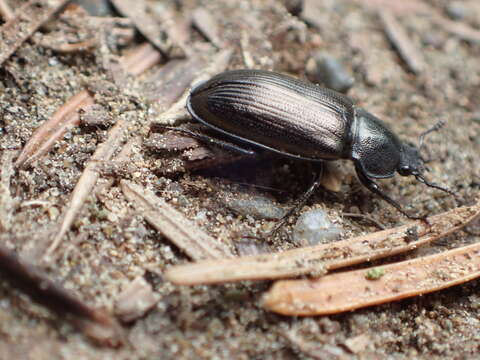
(110, 244)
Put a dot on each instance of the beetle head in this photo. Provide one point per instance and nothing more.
(411, 162)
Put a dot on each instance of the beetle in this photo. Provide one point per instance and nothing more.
(301, 120)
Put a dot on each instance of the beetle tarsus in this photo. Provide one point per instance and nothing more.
(433, 185)
(422, 136)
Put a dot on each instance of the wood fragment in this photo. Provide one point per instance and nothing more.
(28, 18)
(155, 32)
(207, 25)
(316, 260)
(218, 64)
(54, 128)
(401, 280)
(90, 176)
(170, 81)
(141, 58)
(67, 48)
(67, 115)
(135, 300)
(5, 10)
(197, 244)
(401, 42)
(458, 29)
(404, 7)
(98, 325)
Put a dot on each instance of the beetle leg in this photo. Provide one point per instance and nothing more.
(213, 141)
(373, 187)
(301, 201)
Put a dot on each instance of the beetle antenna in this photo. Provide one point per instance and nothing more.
(433, 185)
(422, 136)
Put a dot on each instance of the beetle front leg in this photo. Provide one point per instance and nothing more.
(373, 187)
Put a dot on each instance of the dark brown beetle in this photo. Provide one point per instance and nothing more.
(301, 120)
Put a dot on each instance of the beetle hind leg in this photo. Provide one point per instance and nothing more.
(373, 187)
(300, 202)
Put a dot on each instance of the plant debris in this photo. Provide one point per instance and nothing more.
(184, 234)
(391, 282)
(317, 260)
(96, 324)
(28, 18)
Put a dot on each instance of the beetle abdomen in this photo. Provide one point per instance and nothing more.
(275, 111)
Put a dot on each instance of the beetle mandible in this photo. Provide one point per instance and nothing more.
(301, 120)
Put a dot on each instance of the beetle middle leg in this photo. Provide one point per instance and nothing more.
(301, 201)
(373, 187)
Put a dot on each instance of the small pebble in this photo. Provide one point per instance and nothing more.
(327, 70)
(456, 10)
(314, 228)
(96, 7)
(256, 206)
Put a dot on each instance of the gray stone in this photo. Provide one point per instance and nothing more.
(314, 227)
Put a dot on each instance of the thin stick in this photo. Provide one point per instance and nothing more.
(89, 178)
(218, 64)
(397, 281)
(171, 223)
(53, 129)
(458, 29)
(155, 32)
(96, 324)
(26, 21)
(401, 42)
(319, 259)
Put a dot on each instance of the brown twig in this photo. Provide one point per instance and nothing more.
(401, 42)
(141, 58)
(90, 176)
(97, 325)
(26, 21)
(153, 31)
(397, 281)
(170, 81)
(218, 64)
(6, 11)
(53, 129)
(316, 260)
(208, 26)
(197, 244)
(458, 29)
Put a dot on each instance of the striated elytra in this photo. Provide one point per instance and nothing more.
(298, 119)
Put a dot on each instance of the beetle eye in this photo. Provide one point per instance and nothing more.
(404, 170)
